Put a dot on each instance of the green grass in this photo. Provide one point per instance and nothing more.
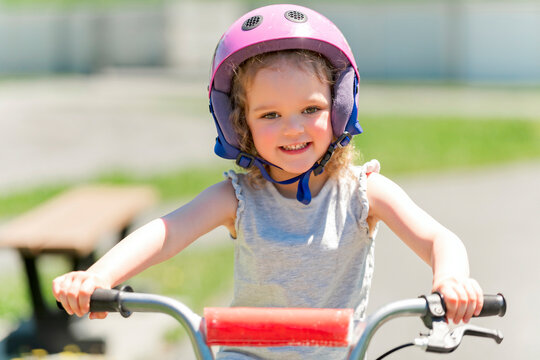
(404, 145)
(412, 144)
(14, 302)
(21, 201)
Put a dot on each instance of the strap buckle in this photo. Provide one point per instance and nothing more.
(344, 139)
(245, 160)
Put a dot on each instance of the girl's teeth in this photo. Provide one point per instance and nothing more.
(295, 147)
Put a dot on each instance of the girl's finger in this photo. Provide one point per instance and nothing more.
(63, 291)
(450, 300)
(462, 303)
(86, 290)
(57, 286)
(471, 302)
(98, 315)
(73, 296)
(479, 297)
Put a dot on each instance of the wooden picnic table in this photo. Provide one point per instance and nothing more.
(73, 224)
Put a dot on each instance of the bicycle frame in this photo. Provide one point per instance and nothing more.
(354, 334)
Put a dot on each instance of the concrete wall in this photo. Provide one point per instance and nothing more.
(443, 40)
(81, 40)
(193, 30)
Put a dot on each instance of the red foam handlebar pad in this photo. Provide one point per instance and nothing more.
(278, 326)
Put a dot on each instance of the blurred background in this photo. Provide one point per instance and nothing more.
(458, 41)
(114, 92)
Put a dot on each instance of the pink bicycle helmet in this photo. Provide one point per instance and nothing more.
(283, 27)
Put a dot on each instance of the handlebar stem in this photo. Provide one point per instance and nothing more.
(412, 307)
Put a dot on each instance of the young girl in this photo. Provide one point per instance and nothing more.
(283, 94)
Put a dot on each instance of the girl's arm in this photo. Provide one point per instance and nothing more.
(151, 244)
(436, 245)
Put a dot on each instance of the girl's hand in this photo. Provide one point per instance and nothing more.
(74, 289)
(463, 298)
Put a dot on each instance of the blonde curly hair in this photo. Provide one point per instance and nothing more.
(304, 60)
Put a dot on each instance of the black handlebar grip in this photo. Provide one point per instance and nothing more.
(103, 300)
(493, 305)
(109, 300)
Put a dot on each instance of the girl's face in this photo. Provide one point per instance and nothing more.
(288, 114)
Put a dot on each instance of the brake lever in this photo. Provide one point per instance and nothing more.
(443, 340)
(474, 330)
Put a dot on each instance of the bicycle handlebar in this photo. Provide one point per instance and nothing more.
(103, 300)
(293, 327)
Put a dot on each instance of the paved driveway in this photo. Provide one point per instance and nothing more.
(495, 212)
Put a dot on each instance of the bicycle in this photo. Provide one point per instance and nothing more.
(301, 327)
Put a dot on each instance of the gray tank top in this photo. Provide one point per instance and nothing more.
(288, 254)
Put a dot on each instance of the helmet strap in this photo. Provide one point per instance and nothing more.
(303, 194)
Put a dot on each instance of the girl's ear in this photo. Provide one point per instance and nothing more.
(343, 103)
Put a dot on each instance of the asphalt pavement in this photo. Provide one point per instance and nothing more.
(73, 128)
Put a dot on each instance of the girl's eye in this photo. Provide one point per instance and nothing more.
(311, 110)
(271, 115)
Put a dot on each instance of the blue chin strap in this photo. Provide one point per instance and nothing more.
(303, 194)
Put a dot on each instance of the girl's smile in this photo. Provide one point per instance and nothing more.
(288, 114)
(295, 148)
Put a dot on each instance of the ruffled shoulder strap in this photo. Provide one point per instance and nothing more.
(372, 166)
(236, 183)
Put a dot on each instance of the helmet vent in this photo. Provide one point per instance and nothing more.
(295, 16)
(252, 22)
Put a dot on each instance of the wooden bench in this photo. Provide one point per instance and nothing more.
(72, 223)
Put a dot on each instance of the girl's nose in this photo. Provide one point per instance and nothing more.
(293, 126)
